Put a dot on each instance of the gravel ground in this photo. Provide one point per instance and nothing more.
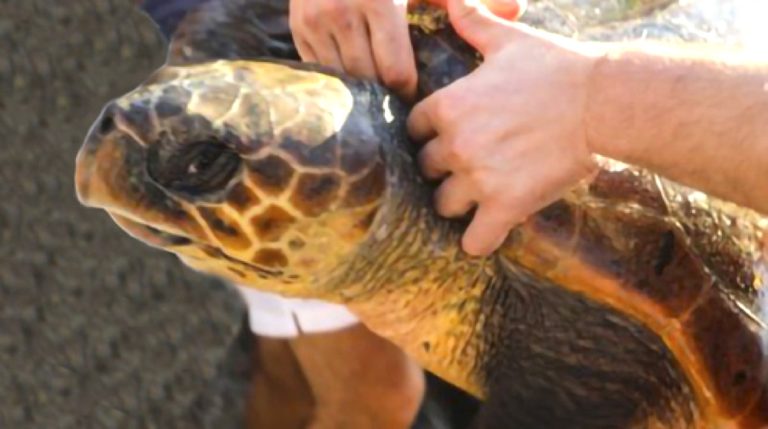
(96, 329)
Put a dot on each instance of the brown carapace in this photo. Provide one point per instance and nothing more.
(632, 302)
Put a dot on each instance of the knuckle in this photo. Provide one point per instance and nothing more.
(377, 9)
(484, 185)
(441, 207)
(354, 61)
(342, 23)
(454, 151)
(310, 21)
(345, 25)
(449, 105)
(319, 14)
(445, 203)
(335, 11)
(444, 211)
(444, 107)
(397, 76)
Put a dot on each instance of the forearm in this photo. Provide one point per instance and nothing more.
(699, 119)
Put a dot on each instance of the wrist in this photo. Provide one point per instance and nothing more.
(598, 56)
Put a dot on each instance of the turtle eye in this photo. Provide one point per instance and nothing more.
(197, 168)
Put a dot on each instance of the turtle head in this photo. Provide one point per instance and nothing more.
(260, 173)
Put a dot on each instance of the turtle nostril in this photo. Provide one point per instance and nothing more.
(107, 125)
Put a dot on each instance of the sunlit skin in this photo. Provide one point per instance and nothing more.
(696, 116)
(346, 379)
(368, 39)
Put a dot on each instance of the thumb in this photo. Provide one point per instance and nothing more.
(510, 10)
(481, 28)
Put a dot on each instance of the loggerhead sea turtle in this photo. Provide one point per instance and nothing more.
(632, 302)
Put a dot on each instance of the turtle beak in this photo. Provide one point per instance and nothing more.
(83, 171)
(101, 165)
(110, 166)
(110, 174)
(149, 235)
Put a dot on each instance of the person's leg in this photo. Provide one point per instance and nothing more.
(279, 395)
(317, 367)
(359, 380)
(350, 378)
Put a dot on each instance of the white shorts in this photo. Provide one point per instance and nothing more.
(272, 315)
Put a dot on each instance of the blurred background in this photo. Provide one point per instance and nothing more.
(98, 330)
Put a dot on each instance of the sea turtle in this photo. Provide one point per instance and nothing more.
(631, 302)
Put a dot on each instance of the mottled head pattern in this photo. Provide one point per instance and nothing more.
(248, 170)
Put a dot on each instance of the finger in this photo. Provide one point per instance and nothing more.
(488, 230)
(355, 48)
(392, 51)
(454, 197)
(432, 160)
(510, 10)
(326, 49)
(476, 24)
(306, 52)
(507, 9)
(419, 122)
(311, 35)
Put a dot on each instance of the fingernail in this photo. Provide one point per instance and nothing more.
(507, 9)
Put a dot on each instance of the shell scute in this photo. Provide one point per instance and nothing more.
(226, 228)
(241, 197)
(355, 159)
(272, 223)
(648, 256)
(368, 188)
(315, 193)
(730, 351)
(758, 414)
(270, 258)
(325, 154)
(271, 174)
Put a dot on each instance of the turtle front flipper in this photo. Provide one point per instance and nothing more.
(557, 359)
(667, 293)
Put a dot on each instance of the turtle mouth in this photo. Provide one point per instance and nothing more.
(182, 245)
(152, 236)
(171, 239)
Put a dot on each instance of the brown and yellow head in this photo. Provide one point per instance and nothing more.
(255, 171)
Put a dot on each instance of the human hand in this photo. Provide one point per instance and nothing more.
(510, 10)
(365, 38)
(509, 138)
